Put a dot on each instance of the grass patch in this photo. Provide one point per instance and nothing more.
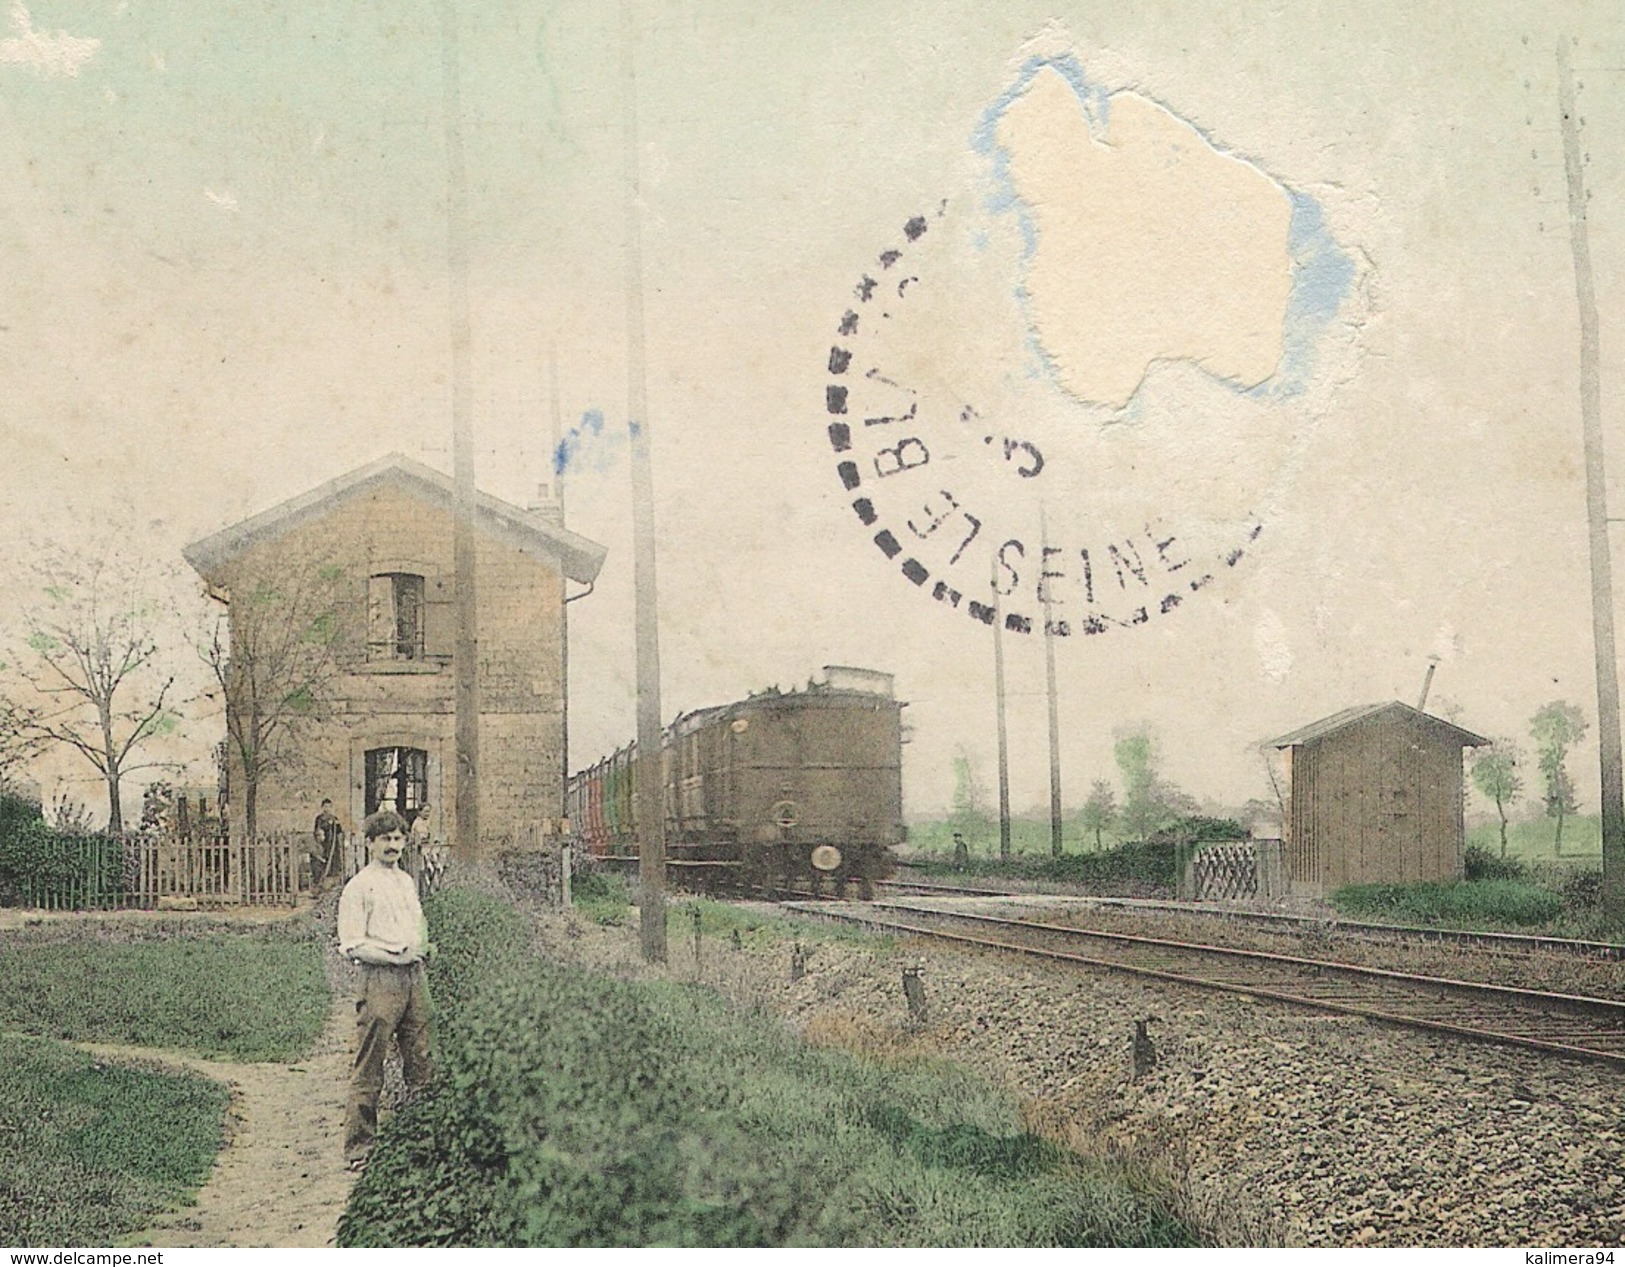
(718, 920)
(1473, 904)
(602, 897)
(575, 1110)
(1533, 839)
(1029, 837)
(91, 1150)
(249, 996)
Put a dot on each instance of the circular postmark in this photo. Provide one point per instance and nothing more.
(1067, 406)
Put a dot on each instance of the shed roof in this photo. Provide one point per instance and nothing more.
(579, 558)
(1367, 712)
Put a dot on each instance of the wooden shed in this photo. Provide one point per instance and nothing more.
(1376, 798)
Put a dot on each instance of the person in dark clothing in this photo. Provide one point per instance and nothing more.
(326, 853)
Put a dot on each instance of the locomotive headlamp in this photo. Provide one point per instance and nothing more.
(826, 857)
(785, 814)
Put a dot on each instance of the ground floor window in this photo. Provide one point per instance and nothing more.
(397, 779)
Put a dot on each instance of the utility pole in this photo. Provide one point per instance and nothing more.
(1054, 703)
(465, 660)
(648, 786)
(1004, 743)
(1602, 583)
(556, 474)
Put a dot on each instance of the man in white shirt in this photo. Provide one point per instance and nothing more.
(381, 928)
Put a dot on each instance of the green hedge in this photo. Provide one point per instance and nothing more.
(574, 1110)
(1466, 904)
(1136, 870)
(42, 867)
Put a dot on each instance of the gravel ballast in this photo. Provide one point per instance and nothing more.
(1271, 1125)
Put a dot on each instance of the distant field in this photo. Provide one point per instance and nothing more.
(1582, 838)
(1027, 836)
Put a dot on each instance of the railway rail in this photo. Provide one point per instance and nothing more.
(1577, 1026)
(1511, 943)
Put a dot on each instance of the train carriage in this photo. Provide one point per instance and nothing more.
(781, 791)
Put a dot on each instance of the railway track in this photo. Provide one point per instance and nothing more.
(1578, 1026)
(1508, 943)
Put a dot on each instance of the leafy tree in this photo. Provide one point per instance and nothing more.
(1099, 811)
(969, 810)
(1495, 775)
(1149, 800)
(275, 657)
(94, 664)
(1557, 727)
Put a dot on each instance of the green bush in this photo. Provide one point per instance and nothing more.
(90, 1150)
(16, 812)
(1466, 904)
(601, 896)
(40, 866)
(1481, 864)
(572, 1110)
(1136, 870)
(1199, 827)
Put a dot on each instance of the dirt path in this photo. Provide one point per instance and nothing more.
(280, 1180)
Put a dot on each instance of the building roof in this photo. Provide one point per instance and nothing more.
(579, 559)
(1393, 710)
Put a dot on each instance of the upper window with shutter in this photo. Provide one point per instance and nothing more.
(395, 616)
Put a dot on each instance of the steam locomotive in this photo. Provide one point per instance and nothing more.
(781, 792)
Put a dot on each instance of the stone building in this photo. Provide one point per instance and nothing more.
(383, 735)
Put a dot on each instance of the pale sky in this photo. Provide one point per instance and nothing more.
(223, 281)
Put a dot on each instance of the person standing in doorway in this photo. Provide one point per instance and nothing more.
(381, 928)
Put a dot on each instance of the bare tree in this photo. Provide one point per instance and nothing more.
(275, 657)
(17, 744)
(94, 664)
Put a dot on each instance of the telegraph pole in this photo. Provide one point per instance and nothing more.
(648, 787)
(1602, 583)
(1004, 743)
(465, 661)
(556, 476)
(1054, 704)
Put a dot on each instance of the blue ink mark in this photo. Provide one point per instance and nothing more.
(586, 448)
(1322, 274)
